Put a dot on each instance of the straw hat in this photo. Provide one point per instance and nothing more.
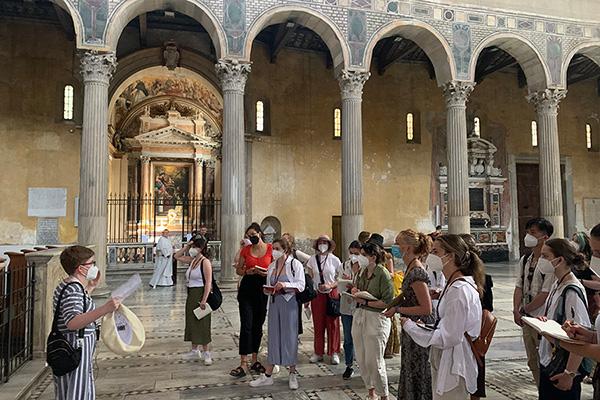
(326, 239)
(123, 332)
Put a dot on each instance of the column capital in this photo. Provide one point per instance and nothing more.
(457, 92)
(145, 159)
(232, 74)
(352, 82)
(199, 162)
(546, 101)
(98, 67)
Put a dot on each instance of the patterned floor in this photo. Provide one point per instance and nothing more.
(159, 373)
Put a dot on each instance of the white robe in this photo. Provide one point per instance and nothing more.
(163, 264)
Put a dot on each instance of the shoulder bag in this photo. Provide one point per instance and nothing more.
(333, 303)
(215, 297)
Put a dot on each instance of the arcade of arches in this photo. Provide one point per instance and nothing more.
(261, 136)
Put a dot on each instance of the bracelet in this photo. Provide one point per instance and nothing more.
(571, 374)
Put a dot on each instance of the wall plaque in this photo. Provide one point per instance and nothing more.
(47, 202)
(47, 231)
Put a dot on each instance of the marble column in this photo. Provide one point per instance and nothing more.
(457, 95)
(96, 69)
(351, 86)
(551, 199)
(232, 75)
(198, 166)
(145, 194)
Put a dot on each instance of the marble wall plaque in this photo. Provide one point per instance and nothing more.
(47, 202)
(47, 231)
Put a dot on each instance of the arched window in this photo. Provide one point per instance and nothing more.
(588, 136)
(68, 103)
(260, 116)
(534, 136)
(410, 128)
(337, 123)
(476, 127)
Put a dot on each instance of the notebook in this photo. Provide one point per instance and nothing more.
(551, 328)
(200, 313)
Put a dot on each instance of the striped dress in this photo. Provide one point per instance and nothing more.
(78, 384)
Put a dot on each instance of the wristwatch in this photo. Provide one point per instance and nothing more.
(571, 374)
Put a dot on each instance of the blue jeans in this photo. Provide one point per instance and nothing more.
(348, 343)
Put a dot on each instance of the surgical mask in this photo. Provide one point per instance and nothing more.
(353, 258)
(277, 254)
(595, 265)
(362, 261)
(530, 241)
(434, 262)
(545, 266)
(323, 247)
(194, 252)
(92, 273)
(247, 242)
(254, 239)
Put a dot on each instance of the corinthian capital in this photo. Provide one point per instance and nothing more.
(457, 92)
(232, 74)
(98, 67)
(352, 82)
(546, 101)
(145, 159)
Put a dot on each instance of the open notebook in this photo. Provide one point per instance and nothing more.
(551, 328)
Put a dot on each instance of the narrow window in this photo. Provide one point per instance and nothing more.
(68, 103)
(337, 123)
(588, 136)
(410, 128)
(534, 137)
(476, 127)
(260, 116)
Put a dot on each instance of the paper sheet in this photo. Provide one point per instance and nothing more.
(128, 288)
(365, 296)
(550, 327)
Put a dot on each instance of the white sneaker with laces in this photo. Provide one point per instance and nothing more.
(275, 369)
(335, 359)
(207, 358)
(192, 355)
(293, 381)
(315, 358)
(262, 380)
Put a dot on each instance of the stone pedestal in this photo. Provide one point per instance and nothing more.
(457, 94)
(351, 85)
(551, 200)
(96, 70)
(232, 75)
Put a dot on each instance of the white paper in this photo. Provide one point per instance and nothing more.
(128, 288)
(200, 313)
(307, 312)
(365, 296)
(550, 327)
(343, 283)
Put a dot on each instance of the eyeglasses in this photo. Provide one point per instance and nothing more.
(86, 264)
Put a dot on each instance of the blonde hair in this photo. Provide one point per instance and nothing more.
(420, 242)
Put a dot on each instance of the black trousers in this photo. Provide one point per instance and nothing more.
(253, 311)
(548, 391)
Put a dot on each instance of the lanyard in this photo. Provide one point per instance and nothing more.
(549, 301)
(437, 309)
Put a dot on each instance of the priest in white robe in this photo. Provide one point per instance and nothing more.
(163, 264)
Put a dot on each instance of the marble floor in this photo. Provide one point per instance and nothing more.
(158, 372)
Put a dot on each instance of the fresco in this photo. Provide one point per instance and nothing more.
(461, 48)
(234, 22)
(171, 186)
(94, 14)
(554, 57)
(357, 35)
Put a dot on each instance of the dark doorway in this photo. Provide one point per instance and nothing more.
(336, 232)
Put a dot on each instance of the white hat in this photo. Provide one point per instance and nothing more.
(123, 332)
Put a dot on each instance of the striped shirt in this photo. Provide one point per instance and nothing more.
(71, 306)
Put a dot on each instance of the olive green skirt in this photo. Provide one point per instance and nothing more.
(196, 331)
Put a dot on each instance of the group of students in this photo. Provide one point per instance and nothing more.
(559, 280)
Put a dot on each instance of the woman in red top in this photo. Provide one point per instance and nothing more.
(252, 267)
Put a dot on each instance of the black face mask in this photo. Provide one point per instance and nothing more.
(254, 239)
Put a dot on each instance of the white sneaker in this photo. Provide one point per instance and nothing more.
(275, 369)
(192, 355)
(335, 359)
(262, 380)
(315, 358)
(207, 358)
(293, 381)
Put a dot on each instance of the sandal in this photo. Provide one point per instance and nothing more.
(238, 372)
(258, 367)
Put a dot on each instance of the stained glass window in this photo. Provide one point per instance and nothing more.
(68, 103)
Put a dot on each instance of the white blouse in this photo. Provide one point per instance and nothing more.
(575, 310)
(295, 276)
(329, 266)
(460, 312)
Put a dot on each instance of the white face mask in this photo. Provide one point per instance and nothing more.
(323, 247)
(362, 261)
(530, 241)
(194, 252)
(545, 266)
(353, 258)
(277, 254)
(92, 273)
(434, 263)
(595, 265)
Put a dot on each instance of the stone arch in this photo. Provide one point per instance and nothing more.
(427, 37)
(319, 23)
(589, 49)
(127, 10)
(75, 18)
(521, 49)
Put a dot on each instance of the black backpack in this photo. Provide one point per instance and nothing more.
(309, 291)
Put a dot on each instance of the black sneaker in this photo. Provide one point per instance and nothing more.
(348, 373)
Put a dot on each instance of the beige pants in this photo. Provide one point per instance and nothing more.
(370, 332)
(458, 393)
(532, 344)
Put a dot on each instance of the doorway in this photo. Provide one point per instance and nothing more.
(336, 232)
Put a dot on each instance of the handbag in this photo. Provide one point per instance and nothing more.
(215, 297)
(309, 292)
(332, 308)
(560, 356)
(61, 356)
